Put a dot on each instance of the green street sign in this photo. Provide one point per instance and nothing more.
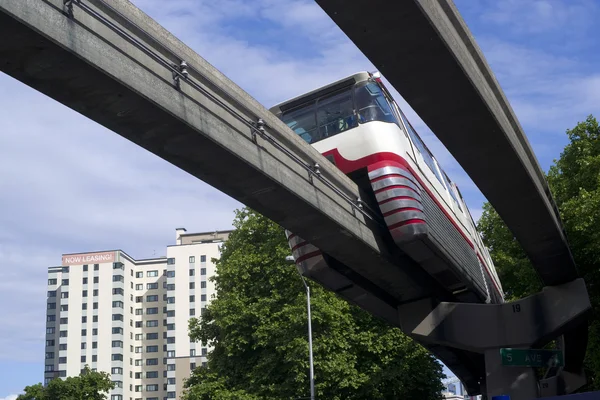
(531, 358)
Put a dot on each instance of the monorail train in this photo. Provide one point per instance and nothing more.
(356, 124)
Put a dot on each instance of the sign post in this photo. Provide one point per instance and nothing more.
(531, 358)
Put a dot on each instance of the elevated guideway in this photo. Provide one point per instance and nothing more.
(426, 51)
(112, 63)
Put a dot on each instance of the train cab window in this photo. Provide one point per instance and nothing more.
(302, 121)
(335, 114)
(371, 104)
(427, 156)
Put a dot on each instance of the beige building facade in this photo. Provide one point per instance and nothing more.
(130, 317)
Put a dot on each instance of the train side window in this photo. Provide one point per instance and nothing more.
(371, 104)
(303, 121)
(427, 156)
(451, 190)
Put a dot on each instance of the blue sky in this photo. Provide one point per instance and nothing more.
(70, 185)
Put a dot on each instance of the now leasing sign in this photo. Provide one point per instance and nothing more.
(531, 358)
(88, 258)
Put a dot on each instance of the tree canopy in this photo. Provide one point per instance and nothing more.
(574, 180)
(258, 326)
(89, 385)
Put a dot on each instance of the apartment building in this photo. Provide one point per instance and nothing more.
(130, 317)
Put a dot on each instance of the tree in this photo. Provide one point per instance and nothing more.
(574, 180)
(258, 327)
(89, 385)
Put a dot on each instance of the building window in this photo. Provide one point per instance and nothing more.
(151, 349)
(118, 265)
(171, 340)
(139, 274)
(202, 297)
(94, 358)
(202, 310)
(138, 324)
(152, 323)
(170, 274)
(192, 272)
(151, 388)
(152, 310)
(151, 374)
(150, 286)
(62, 360)
(118, 278)
(96, 267)
(84, 306)
(52, 293)
(170, 367)
(139, 311)
(117, 331)
(118, 291)
(62, 334)
(171, 354)
(152, 274)
(202, 258)
(65, 282)
(139, 299)
(50, 331)
(96, 279)
(152, 336)
(49, 368)
(64, 321)
(84, 281)
(202, 271)
(117, 304)
(95, 306)
(171, 286)
(152, 361)
(192, 298)
(51, 281)
(83, 346)
(192, 285)
(170, 261)
(82, 359)
(64, 295)
(84, 319)
(49, 355)
(192, 312)
(117, 343)
(192, 352)
(95, 332)
(51, 306)
(139, 286)
(192, 259)
(170, 313)
(203, 284)
(85, 267)
(170, 327)
(138, 349)
(95, 292)
(117, 357)
(62, 346)
(170, 300)
(94, 345)
(152, 298)
(117, 317)
(65, 269)
(50, 343)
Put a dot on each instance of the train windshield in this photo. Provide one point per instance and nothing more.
(334, 113)
(371, 103)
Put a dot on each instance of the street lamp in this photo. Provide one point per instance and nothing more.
(290, 259)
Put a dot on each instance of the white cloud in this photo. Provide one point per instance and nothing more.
(10, 397)
(540, 16)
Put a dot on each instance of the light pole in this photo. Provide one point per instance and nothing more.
(290, 259)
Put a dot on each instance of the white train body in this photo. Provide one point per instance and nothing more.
(357, 125)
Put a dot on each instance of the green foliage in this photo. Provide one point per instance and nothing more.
(258, 327)
(89, 385)
(575, 183)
